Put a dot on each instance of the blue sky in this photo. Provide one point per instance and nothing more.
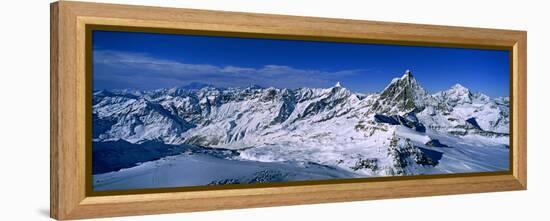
(150, 61)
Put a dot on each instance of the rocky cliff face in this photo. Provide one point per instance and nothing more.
(402, 95)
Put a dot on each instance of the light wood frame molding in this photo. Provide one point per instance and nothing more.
(69, 85)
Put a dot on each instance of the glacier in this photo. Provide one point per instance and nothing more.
(204, 135)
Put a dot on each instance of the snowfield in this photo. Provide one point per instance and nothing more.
(201, 169)
(202, 135)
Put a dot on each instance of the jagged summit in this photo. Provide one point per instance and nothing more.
(457, 94)
(458, 90)
(338, 84)
(407, 74)
(402, 95)
(408, 77)
(458, 87)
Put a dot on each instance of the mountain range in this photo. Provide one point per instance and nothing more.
(402, 130)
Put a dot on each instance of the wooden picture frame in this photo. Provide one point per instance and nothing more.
(70, 93)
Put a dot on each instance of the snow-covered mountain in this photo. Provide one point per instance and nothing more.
(402, 95)
(400, 131)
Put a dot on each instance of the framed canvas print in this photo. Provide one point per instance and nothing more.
(157, 110)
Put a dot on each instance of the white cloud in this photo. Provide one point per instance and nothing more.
(116, 69)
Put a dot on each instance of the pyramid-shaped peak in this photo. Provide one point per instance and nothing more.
(402, 95)
(338, 84)
(407, 74)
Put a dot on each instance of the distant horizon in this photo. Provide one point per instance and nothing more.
(264, 87)
(142, 61)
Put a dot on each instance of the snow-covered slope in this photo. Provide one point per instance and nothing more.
(403, 130)
(458, 109)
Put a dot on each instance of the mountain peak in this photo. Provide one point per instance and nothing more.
(458, 87)
(403, 95)
(407, 74)
(254, 86)
(196, 85)
(338, 84)
(457, 94)
(408, 77)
